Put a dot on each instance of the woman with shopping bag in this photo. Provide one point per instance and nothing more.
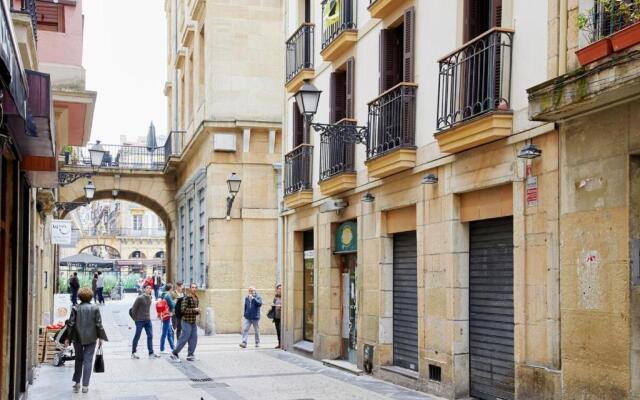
(85, 330)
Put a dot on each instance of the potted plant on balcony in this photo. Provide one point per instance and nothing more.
(627, 13)
(598, 48)
(67, 154)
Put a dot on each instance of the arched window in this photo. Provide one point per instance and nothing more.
(159, 254)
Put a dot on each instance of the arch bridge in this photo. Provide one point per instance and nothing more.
(133, 173)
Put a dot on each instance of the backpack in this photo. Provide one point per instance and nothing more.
(178, 310)
(162, 308)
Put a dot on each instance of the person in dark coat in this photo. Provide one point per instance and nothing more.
(277, 312)
(94, 287)
(86, 329)
(74, 286)
(252, 305)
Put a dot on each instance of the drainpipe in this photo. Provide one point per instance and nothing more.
(278, 168)
(562, 38)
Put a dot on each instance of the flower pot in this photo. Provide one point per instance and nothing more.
(626, 38)
(594, 52)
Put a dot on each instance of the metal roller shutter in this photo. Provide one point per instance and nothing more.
(405, 301)
(491, 363)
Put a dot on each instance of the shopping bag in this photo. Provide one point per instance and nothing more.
(98, 364)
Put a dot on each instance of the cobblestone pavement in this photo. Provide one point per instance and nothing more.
(223, 371)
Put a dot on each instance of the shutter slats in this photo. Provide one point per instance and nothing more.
(409, 48)
(332, 97)
(351, 78)
(50, 16)
(298, 126)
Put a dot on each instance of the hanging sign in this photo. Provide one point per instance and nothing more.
(331, 12)
(346, 238)
(532, 191)
(60, 231)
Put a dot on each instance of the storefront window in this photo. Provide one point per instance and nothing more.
(308, 285)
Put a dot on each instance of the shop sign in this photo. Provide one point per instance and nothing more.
(309, 254)
(60, 231)
(61, 307)
(346, 238)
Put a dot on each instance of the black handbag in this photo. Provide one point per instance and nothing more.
(272, 313)
(98, 364)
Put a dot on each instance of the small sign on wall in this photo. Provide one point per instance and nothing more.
(60, 231)
(532, 191)
(309, 254)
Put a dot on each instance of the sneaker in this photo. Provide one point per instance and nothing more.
(154, 355)
(76, 387)
(164, 352)
(85, 389)
(257, 344)
(135, 356)
(175, 358)
(277, 347)
(191, 358)
(243, 345)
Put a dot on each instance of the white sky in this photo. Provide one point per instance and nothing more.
(125, 61)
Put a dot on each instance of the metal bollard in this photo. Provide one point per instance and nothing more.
(210, 325)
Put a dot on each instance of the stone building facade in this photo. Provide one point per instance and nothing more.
(448, 278)
(224, 103)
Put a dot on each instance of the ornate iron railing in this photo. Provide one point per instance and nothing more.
(298, 165)
(336, 153)
(392, 120)
(337, 16)
(119, 156)
(173, 144)
(300, 50)
(475, 79)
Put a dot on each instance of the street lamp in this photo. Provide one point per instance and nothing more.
(233, 182)
(97, 154)
(308, 98)
(430, 179)
(529, 152)
(89, 191)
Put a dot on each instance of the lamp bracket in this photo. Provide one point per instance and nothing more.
(66, 178)
(349, 133)
(68, 206)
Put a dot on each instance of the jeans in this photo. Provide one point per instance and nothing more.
(167, 333)
(83, 362)
(156, 292)
(277, 322)
(74, 297)
(246, 324)
(190, 335)
(100, 297)
(148, 330)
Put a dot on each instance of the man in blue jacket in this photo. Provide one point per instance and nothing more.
(252, 304)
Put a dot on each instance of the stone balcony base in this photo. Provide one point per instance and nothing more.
(298, 199)
(297, 81)
(392, 162)
(384, 8)
(339, 183)
(339, 45)
(478, 131)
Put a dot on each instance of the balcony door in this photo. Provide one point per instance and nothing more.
(481, 77)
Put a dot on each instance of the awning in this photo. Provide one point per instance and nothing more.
(87, 261)
(11, 72)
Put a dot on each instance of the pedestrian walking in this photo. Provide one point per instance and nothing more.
(100, 287)
(140, 314)
(165, 308)
(177, 295)
(85, 326)
(74, 286)
(94, 287)
(190, 310)
(157, 284)
(252, 304)
(277, 312)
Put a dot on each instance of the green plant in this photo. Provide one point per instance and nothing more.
(607, 17)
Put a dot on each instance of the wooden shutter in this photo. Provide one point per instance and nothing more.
(332, 97)
(50, 16)
(389, 65)
(350, 88)
(496, 21)
(338, 96)
(496, 13)
(476, 18)
(408, 45)
(298, 126)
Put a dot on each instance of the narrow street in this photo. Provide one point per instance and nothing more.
(223, 371)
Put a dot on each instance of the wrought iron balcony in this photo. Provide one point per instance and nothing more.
(337, 17)
(392, 120)
(336, 153)
(300, 50)
(607, 17)
(119, 157)
(298, 164)
(475, 79)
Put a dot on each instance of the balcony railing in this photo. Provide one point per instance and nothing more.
(392, 120)
(173, 144)
(298, 169)
(120, 156)
(337, 16)
(608, 17)
(336, 154)
(124, 232)
(300, 50)
(475, 79)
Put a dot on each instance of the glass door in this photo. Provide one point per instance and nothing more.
(349, 308)
(308, 300)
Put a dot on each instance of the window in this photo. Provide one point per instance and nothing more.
(50, 16)
(341, 86)
(202, 271)
(298, 126)
(160, 225)
(182, 94)
(190, 98)
(480, 16)
(137, 222)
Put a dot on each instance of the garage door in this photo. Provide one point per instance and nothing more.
(491, 365)
(405, 301)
